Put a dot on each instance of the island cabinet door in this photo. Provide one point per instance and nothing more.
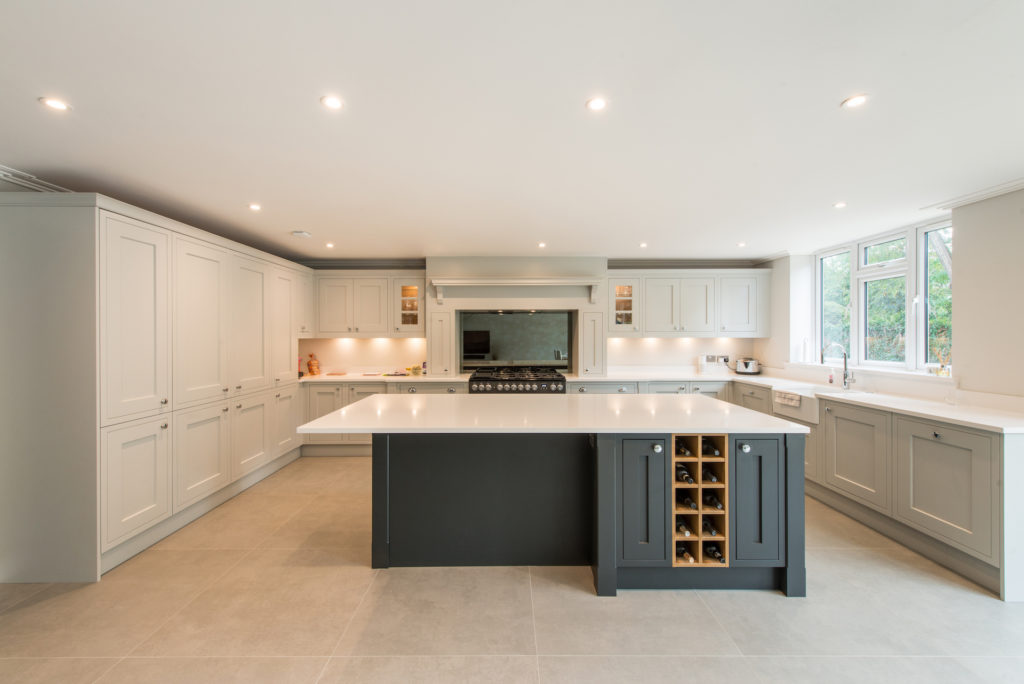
(643, 488)
(757, 474)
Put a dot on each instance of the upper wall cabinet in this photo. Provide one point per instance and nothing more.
(370, 304)
(135, 324)
(284, 306)
(624, 307)
(703, 303)
(304, 305)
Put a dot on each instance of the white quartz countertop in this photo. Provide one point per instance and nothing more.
(360, 377)
(977, 417)
(627, 414)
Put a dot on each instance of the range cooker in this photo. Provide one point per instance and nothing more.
(517, 379)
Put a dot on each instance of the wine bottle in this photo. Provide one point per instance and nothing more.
(687, 502)
(681, 450)
(712, 501)
(683, 473)
(711, 550)
(708, 448)
(683, 529)
(709, 476)
(710, 529)
(685, 556)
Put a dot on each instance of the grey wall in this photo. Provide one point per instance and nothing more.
(520, 336)
(987, 284)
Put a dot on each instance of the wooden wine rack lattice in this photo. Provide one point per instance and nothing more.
(696, 462)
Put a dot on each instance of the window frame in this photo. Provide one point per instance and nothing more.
(911, 267)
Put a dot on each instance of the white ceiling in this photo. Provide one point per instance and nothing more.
(464, 130)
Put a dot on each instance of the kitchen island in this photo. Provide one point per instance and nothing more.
(651, 491)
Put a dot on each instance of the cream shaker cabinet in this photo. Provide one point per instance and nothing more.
(135, 323)
(201, 298)
(754, 397)
(354, 393)
(592, 343)
(284, 312)
(661, 305)
(304, 305)
(407, 300)
(135, 478)
(288, 414)
(323, 399)
(682, 307)
(696, 305)
(625, 303)
(248, 326)
(252, 425)
(857, 454)
(737, 304)
(352, 306)
(202, 452)
(439, 344)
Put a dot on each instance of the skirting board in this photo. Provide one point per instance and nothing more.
(119, 554)
(959, 562)
(336, 449)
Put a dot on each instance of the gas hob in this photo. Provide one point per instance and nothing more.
(517, 380)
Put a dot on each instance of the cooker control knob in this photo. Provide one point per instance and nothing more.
(473, 387)
(488, 388)
(521, 388)
(534, 388)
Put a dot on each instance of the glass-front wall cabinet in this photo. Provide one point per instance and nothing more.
(624, 302)
(408, 300)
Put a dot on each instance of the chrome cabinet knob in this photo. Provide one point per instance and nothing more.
(936, 435)
(163, 426)
(238, 406)
(225, 389)
(828, 409)
(451, 390)
(745, 448)
(582, 389)
(163, 402)
(225, 409)
(657, 448)
(277, 396)
(412, 390)
(622, 389)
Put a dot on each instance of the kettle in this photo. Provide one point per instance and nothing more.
(748, 366)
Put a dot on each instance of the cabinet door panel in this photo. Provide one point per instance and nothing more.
(284, 345)
(249, 332)
(439, 344)
(755, 398)
(697, 305)
(812, 454)
(304, 305)
(592, 343)
(758, 476)
(643, 494)
(286, 416)
(202, 453)
(737, 309)
(334, 305)
(715, 390)
(624, 306)
(201, 288)
(136, 479)
(668, 388)
(361, 391)
(134, 318)
(250, 435)
(324, 399)
(857, 449)
(370, 305)
(661, 305)
(407, 299)
(946, 483)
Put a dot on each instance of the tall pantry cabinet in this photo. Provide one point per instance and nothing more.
(175, 353)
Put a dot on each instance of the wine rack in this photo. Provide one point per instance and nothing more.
(699, 526)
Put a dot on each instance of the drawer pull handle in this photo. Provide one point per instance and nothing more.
(224, 389)
(238, 387)
(225, 409)
(936, 435)
(277, 396)
(745, 448)
(412, 390)
(451, 390)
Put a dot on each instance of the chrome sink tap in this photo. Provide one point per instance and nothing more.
(847, 375)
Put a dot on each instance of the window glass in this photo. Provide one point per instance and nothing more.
(885, 315)
(890, 250)
(938, 279)
(835, 305)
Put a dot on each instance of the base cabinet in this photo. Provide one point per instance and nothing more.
(758, 472)
(643, 523)
(202, 453)
(251, 434)
(601, 388)
(754, 398)
(354, 393)
(431, 388)
(947, 485)
(289, 413)
(135, 479)
(325, 398)
(857, 454)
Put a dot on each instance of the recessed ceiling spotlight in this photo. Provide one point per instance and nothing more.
(854, 101)
(54, 103)
(643, 245)
(839, 205)
(330, 245)
(542, 245)
(255, 207)
(741, 244)
(596, 104)
(302, 233)
(331, 101)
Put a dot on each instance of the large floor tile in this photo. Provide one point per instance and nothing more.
(320, 475)
(994, 669)
(596, 669)
(12, 594)
(571, 619)
(857, 670)
(329, 522)
(828, 528)
(112, 616)
(431, 670)
(215, 671)
(243, 522)
(273, 603)
(444, 611)
(53, 670)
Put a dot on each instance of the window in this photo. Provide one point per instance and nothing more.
(892, 305)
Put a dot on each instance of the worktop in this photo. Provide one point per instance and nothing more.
(528, 413)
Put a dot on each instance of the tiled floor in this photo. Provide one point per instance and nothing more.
(275, 586)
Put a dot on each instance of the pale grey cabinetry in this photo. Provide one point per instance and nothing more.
(357, 391)
(667, 388)
(602, 388)
(135, 462)
(715, 390)
(947, 484)
(202, 453)
(857, 454)
(289, 413)
(252, 426)
(327, 397)
(431, 388)
(753, 397)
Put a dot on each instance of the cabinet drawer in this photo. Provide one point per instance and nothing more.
(668, 388)
(754, 397)
(433, 388)
(602, 388)
(946, 485)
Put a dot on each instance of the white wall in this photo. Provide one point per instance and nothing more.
(680, 351)
(379, 353)
(988, 282)
(792, 310)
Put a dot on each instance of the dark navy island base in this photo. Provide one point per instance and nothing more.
(574, 499)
